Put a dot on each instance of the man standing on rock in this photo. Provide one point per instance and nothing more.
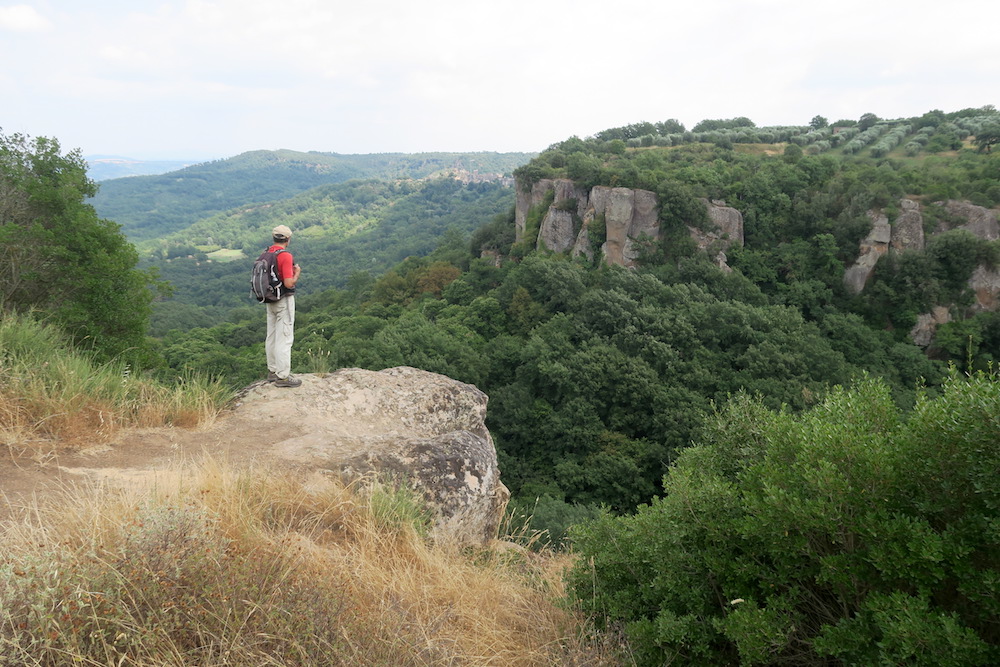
(281, 314)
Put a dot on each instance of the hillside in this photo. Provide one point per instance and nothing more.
(616, 370)
(340, 230)
(150, 207)
(748, 374)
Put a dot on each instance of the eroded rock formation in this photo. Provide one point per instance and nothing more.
(871, 250)
(908, 228)
(906, 233)
(980, 221)
(726, 229)
(626, 216)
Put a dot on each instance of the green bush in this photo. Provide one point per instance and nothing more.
(850, 532)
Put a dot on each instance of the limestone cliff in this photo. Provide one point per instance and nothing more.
(906, 233)
(725, 229)
(624, 215)
(872, 248)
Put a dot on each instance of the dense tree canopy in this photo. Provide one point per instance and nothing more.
(850, 532)
(58, 257)
(598, 376)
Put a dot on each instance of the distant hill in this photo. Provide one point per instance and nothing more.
(340, 229)
(149, 207)
(106, 167)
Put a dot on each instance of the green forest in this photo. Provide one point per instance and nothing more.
(599, 376)
(671, 419)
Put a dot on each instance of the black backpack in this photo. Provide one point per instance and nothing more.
(265, 286)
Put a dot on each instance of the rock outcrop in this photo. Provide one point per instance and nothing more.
(906, 233)
(908, 228)
(420, 429)
(985, 284)
(922, 333)
(725, 230)
(872, 248)
(980, 221)
(628, 215)
(561, 225)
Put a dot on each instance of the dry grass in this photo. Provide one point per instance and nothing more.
(49, 392)
(249, 568)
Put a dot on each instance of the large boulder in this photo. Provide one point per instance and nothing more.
(410, 426)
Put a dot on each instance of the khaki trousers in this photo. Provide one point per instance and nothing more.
(280, 335)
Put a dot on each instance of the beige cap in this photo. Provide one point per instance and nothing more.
(283, 231)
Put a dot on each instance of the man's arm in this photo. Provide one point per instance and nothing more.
(288, 271)
(290, 282)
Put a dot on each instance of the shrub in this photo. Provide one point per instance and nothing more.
(849, 532)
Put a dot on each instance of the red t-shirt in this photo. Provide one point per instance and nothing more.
(285, 266)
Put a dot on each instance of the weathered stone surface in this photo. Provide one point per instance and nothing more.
(872, 248)
(922, 333)
(525, 200)
(908, 228)
(726, 230)
(423, 429)
(628, 215)
(583, 246)
(981, 222)
(491, 256)
(559, 228)
(727, 221)
(985, 283)
(558, 232)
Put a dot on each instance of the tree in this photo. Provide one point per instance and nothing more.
(848, 533)
(671, 126)
(987, 137)
(710, 124)
(867, 120)
(58, 257)
(793, 153)
(818, 122)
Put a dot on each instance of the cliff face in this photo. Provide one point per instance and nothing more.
(906, 233)
(726, 228)
(625, 215)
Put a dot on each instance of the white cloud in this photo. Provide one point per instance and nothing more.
(22, 18)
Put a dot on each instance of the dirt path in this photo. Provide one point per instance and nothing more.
(30, 474)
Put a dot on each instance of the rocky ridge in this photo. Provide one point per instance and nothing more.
(626, 216)
(906, 233)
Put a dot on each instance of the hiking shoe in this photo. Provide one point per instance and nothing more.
(271, 376)
(287, 382)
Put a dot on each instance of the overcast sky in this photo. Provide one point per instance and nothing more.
(202, 79)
